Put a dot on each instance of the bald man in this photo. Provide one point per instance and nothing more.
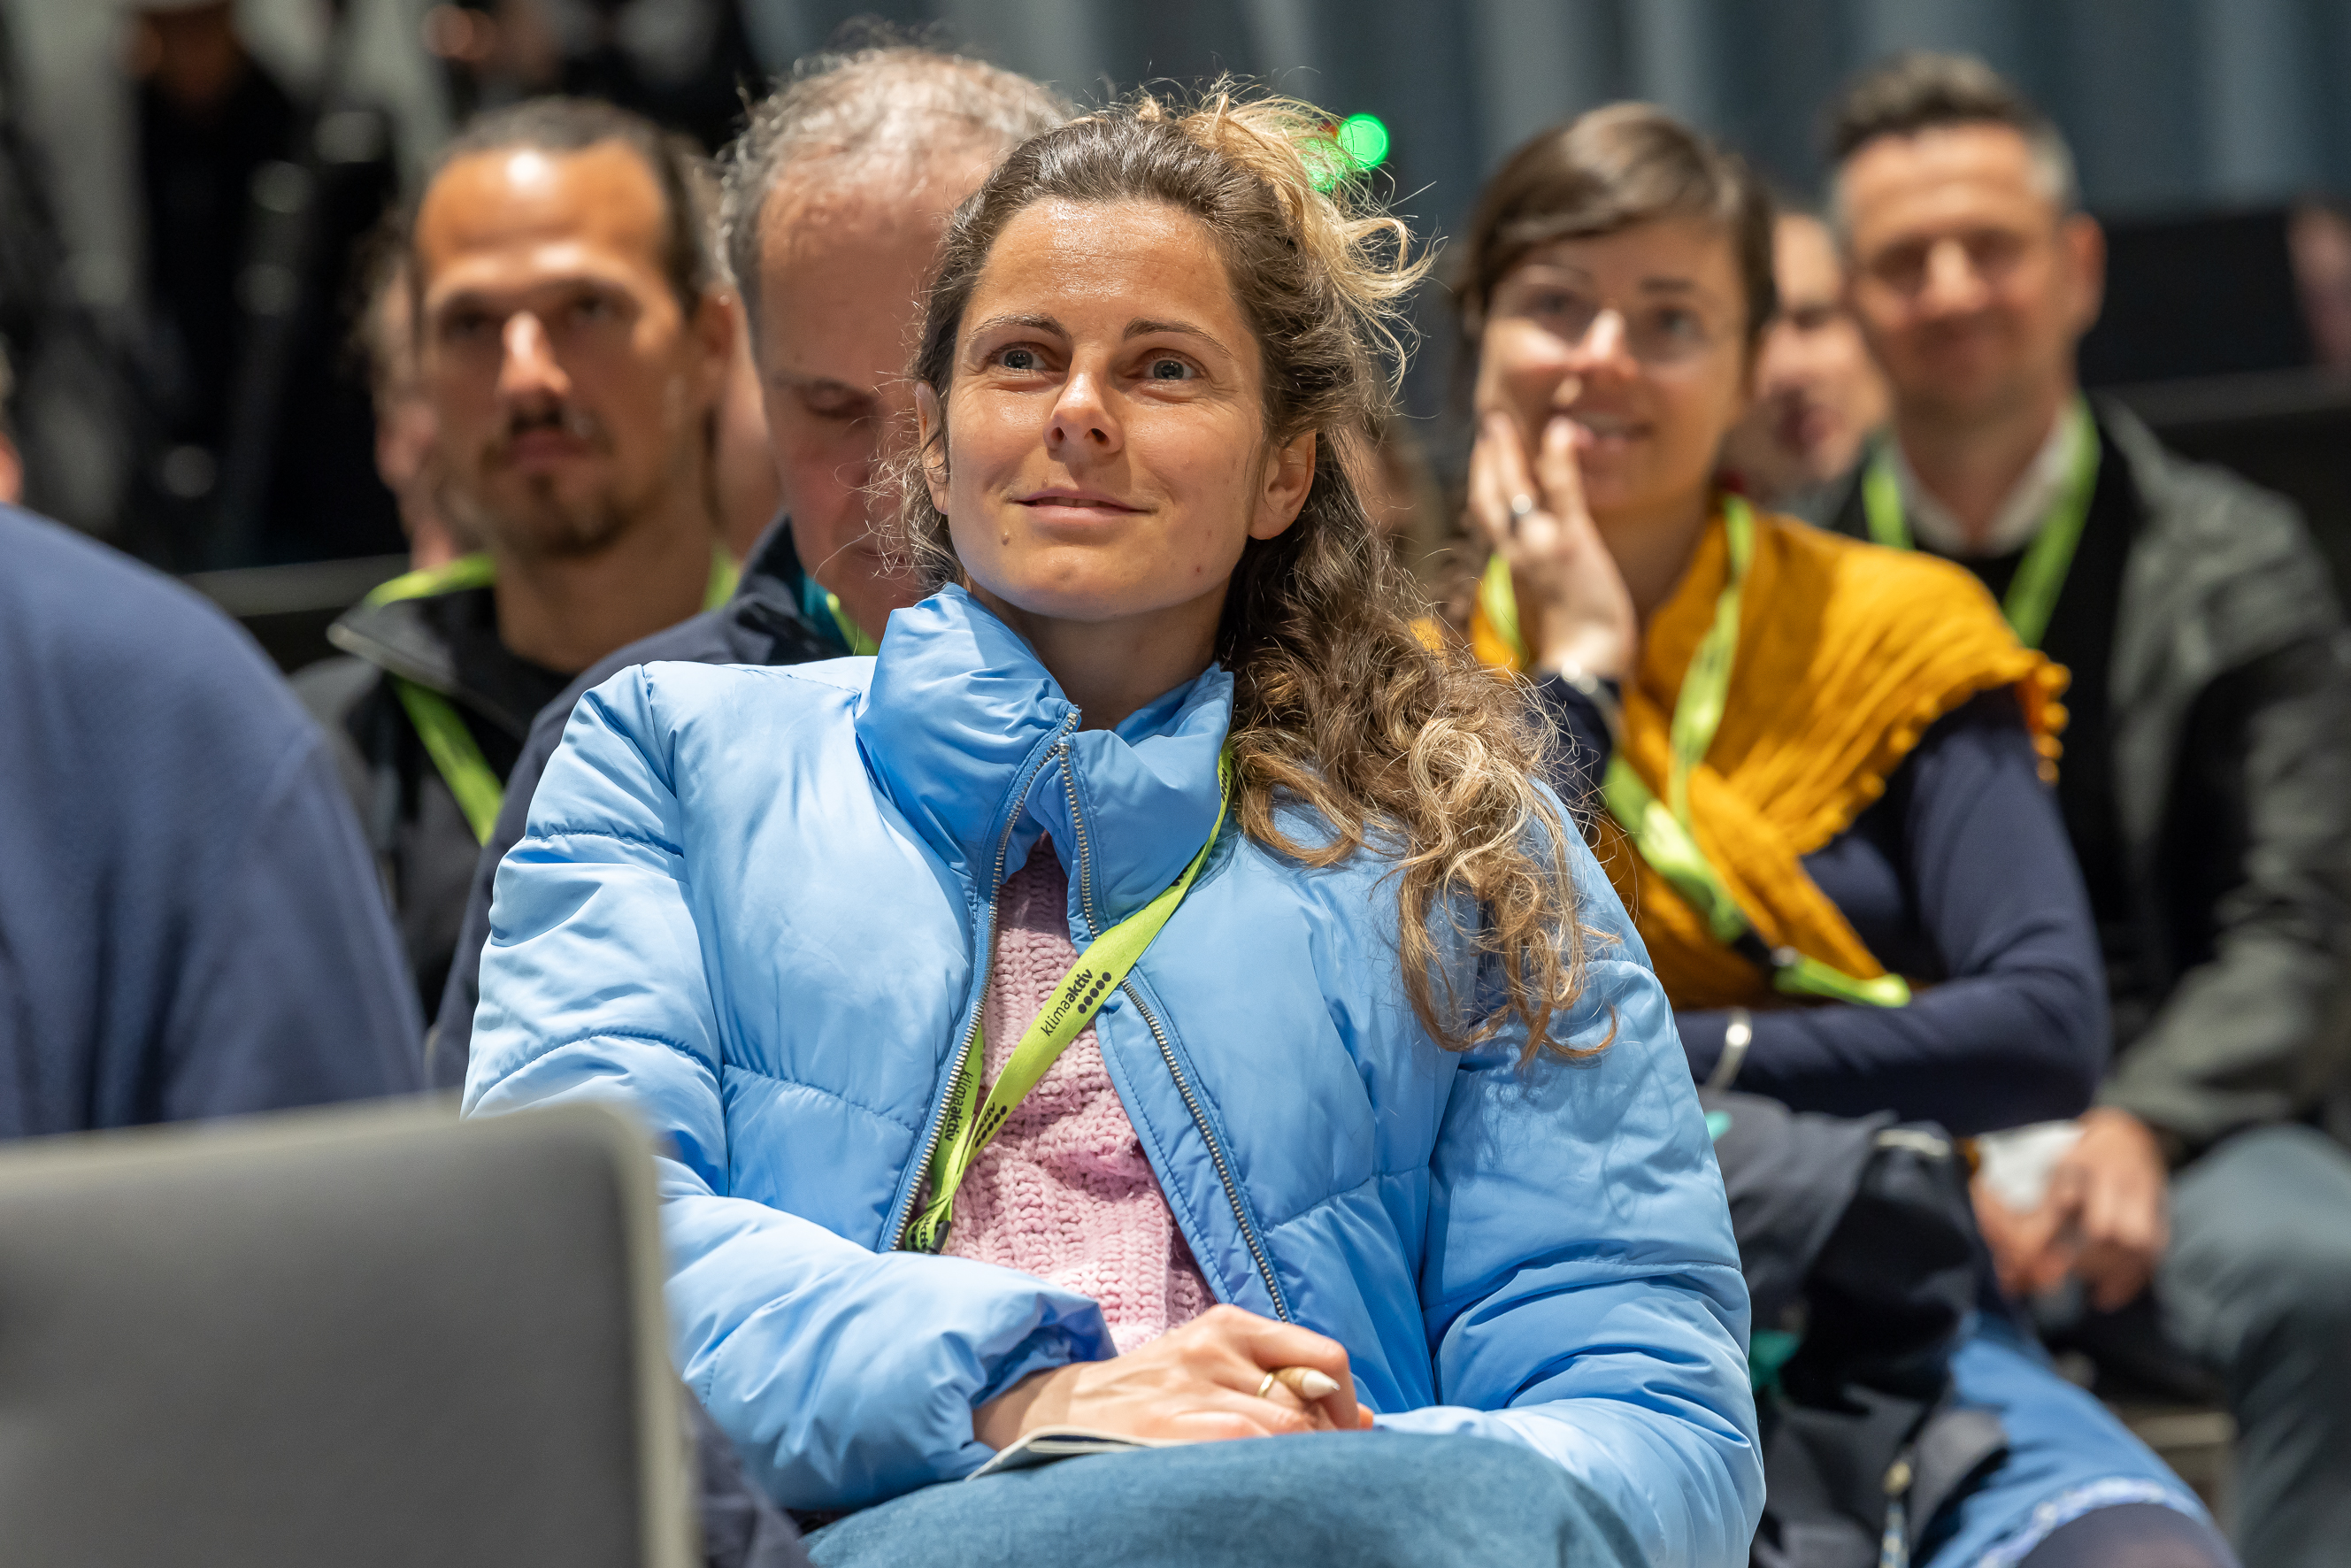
(833, 202)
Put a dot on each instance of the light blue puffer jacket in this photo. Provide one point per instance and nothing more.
(756, 903)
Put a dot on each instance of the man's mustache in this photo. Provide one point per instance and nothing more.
(566, 419)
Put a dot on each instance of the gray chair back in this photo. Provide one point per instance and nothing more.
(361, 1337)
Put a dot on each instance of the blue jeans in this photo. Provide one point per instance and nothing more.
(1364, 1499)
(2067, 1457)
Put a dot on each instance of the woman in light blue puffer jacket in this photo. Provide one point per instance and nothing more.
(1410, 1092)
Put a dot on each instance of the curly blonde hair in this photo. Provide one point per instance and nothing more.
(1338, 705)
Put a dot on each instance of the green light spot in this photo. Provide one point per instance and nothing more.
(1363, 140)
(1326, 163)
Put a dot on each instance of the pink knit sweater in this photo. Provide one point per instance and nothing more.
(1063, 1191)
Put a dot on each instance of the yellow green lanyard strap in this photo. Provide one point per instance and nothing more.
(1099, 971)
(815, 599)
(456, 755)
(1660, 829)
(2041, 576)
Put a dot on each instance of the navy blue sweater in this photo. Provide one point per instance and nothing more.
(1958, 875)
(190, 925)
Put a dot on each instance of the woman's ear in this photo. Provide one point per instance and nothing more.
(933, 436)
(1289, 476)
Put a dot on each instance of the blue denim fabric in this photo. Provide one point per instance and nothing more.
(2067, 1457)
(1361, 1500)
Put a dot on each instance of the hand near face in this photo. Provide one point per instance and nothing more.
(2105, 1217)
(1636, 341)
(1195, 1384)
(1574, 609)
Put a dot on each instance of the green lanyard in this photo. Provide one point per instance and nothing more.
(456, 755)
(1100, 970)
(2041, 576)
(816, 598)
(1660, 829)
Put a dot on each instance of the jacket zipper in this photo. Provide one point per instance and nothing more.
(1167, 1053)
(1085, 861)
(905, 1219)
(1216, 1155)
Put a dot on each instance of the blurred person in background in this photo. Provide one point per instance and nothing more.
(835, 198)
(2206, 784)
(406, 458)
(80, 420)
(188, 925)
(1407, 506)
(745, 496)
(2318, 245)
(573, 340)
(681, 63)
(745, 492)
(1816, 770)
(1818, 396)
(252, 202)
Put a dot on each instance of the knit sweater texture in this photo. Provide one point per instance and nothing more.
(1064, 1190)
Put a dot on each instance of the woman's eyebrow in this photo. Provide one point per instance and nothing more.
(1144, 326)
(1032, 323)
(1558, 268)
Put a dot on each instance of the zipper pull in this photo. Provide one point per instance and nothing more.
(1894, 1547)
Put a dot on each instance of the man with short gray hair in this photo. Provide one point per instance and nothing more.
(833, 202)
(2206, 783)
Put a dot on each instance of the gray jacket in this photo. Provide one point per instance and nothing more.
(2222, 574)
(2221, 577)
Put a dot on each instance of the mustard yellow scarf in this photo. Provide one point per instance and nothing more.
(1847, 653)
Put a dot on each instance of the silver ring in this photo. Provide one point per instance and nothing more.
(1522, 506)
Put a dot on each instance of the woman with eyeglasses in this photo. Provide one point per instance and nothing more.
(1815, 769)
(1156, 994)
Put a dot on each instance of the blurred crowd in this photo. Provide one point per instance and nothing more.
(2011, 814)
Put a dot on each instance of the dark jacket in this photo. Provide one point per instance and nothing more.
(424, 847)
(2228, 729)
(188, 924)
(768, 621)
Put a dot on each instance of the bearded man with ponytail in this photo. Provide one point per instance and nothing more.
(1152, 996)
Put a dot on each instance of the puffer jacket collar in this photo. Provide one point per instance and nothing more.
(975, 744)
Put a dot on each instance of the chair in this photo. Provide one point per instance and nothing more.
(361, 1337)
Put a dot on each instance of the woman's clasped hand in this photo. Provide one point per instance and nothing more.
(1208, 1379)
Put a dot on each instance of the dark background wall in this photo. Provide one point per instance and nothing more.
(2175, 107)
(2172, 105)
(2182, 113)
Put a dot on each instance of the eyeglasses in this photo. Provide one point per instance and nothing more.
(1657, 333)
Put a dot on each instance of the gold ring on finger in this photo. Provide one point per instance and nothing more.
(1265, 1386)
